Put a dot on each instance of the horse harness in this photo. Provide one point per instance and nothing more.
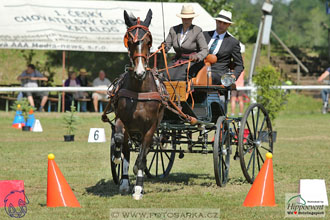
(160, 95)
(135, 38)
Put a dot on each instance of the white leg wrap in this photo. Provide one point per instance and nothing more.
(138, 190)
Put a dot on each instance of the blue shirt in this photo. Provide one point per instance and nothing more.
(29, 82)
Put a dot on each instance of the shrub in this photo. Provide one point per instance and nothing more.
(267, 81)
(70, 120)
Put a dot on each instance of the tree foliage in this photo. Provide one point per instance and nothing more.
(296, 22)
(269, 94)
(299, 23)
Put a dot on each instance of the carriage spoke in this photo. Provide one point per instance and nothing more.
(161, 156)
(258, 154)
(249, 141)
(254, 125)
(167, 156)
(248, 126)
(262, 126)
(262, 159)
(250, 160)
(254, 161)
(258, 114)
(152, 161)
(268, 150)
(157, 162)
(247, 150)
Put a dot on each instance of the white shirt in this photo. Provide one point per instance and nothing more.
(221, 36)
(183, 36)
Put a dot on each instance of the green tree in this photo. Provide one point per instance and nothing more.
(268, 80)
(298, 24)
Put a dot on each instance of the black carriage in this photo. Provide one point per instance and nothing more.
(214, 133)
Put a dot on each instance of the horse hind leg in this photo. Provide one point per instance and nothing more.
(124, 187)
(119, 141)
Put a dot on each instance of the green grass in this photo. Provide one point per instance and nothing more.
(301, 152)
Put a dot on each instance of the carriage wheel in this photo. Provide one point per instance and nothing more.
(115, 168)
(161, 157)
(221, 151)
(255, 140)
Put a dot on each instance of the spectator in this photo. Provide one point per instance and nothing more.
(72, 81)
(29, 78)
(82, 77)
(102, 82)
(325, 92)
(238, 94)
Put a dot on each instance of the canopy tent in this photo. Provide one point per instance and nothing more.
(84, 25)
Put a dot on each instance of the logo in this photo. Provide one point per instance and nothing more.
(15, 204)
(297, 206)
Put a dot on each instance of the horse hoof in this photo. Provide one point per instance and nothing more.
(124, 186)
(137, 197)
(138, 193)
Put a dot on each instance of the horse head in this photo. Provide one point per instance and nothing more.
(138, 41)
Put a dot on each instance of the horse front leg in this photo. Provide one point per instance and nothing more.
(141, 162)
(124, 181)
(119, 141)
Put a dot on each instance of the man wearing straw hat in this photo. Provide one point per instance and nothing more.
(188, 42)
(225, 47)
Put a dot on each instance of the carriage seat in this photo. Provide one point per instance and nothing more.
(202, 78)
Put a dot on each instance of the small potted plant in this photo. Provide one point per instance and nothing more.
(70, 120)
(24, 106)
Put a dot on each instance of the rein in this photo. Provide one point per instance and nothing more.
(150, 96)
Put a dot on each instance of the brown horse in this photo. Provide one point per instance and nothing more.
(139, 109)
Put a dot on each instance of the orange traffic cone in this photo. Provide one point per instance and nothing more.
(262, 191)
(59, 193)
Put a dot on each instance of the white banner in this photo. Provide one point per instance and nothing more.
(83, 25)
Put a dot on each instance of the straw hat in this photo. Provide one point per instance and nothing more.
(224, 16)
(187, 11)
(83, 71)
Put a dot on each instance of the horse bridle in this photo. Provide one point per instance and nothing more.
(136, 38)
